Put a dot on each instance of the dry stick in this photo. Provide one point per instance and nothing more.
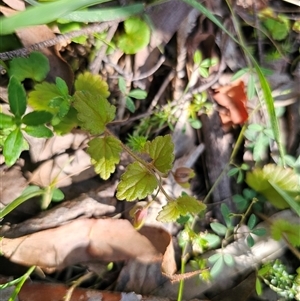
(130, 77)
(100, 27)
(96, 64)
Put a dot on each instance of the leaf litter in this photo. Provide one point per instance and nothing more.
(69, 234)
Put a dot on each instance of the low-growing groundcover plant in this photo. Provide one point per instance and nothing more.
(53, 111)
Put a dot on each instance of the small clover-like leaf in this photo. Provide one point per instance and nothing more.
(252, 221)
(92, 83)
(94, 111)
(138, 94)
(218, 228)
(250, 241)
(217, 267)
(105, 154)
(16, 97)
(136, 36)
(136, 183)
(13, 146)
(280, 228)
(161, 150)
(263, 180)
(35, 66)
(228, 259)
(181, 206)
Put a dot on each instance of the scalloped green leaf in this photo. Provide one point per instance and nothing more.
(16, 97)
(285, 178)
(136, 36)
(181, 206)
(94, 111)
(67, 123)
(105, 154)
(37, 118)
(280, 228)
(93, 83)
(250, 241)
(35, 66)
(13, 146)
(136, 183)
(40, 98)
(161, 150)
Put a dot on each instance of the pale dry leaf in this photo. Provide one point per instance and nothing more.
(80, 241)
(15, 4)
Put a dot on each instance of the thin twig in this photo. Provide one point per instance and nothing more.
(96, 64)
(22, 52)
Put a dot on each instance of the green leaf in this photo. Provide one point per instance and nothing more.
(214, 258)
(37, 118)
(136, 183)
(219, 228)
(161, 150)
(57, 195)
(285, 178)
(217, 267)
(251, 87)
(35, 66)
(130, 104)
(6, 121)
(94, 111)
(291, 201)
(40, 98)
(239, 74)
(259, 231)
(228, 259)
(136, 36)
(138, 94)
(105, 154)
(67, 123)
(280, 228)
(181, 206)
(279, 29)
(258, 287)
(252, 221)
(92, 83)
(203, 72)
(122, 85)
(16, 97)
(62, 86)
(233, 171)
(197, 57)
(13, 146)
(250, 241)
(42, 14)
(38, 131)
(105, 14)
(260, 147)
(226, 214)
(195, 123)
(28, 193)
(241, 202)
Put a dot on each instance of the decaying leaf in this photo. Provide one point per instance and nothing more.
(233, 98)
(89, 240)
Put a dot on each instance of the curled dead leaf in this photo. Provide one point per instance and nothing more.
(233, 98)
(90, 240)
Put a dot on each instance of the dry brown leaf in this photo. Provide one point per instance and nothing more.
(80, 241)
(233, 98)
